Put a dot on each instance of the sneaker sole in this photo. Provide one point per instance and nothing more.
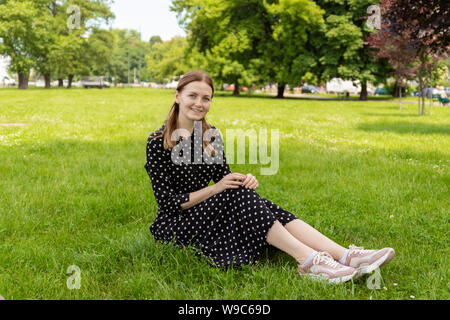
(332, 280)
(365, 269)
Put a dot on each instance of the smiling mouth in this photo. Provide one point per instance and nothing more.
(196, 110)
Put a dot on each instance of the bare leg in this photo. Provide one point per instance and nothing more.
(280, 238)
(313, 238)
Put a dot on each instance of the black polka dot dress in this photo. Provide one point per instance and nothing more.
(229, 228)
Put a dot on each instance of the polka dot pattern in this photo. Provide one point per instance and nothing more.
(229, 228)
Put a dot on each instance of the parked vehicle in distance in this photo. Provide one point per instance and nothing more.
(7, 82)
(310, 89)
(447, 90)
(431, 92)
(381, 91)
(94, 82)
(171, 85)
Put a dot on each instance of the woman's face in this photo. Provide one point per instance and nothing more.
(194, 100)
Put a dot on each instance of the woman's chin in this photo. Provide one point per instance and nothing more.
(196, 117)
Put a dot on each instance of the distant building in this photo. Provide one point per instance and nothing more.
(337, 85)
(4, 63)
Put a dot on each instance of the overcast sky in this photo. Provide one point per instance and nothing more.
(153, 17)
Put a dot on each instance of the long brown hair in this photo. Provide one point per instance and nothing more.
(170, 124)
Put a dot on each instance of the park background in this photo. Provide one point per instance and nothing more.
(363, 169)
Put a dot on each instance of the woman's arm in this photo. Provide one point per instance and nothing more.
(200, 196)
(166, 197)
(230, 181)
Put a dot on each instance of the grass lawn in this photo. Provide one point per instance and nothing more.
(74, 191)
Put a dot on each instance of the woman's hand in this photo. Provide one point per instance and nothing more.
(250, 182)
(230, 181)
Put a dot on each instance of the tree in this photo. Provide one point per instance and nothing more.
(426, 20)
(128, 54)
(47, 28)
(225, 33)
(341, 47)
(18, 36)
(75, 42)
(284, 49)
(98, 52)
(396, 48)
(247, 41)
(427, 24)
(165, 60)
(155, 39)
(35, 34)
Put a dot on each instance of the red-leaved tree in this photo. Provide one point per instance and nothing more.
(425, 27)
(396, 48)
(413, 30)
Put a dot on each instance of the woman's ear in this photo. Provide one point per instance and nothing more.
(176, 96)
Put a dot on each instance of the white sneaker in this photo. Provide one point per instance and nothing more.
(323, 266)
(366, 261)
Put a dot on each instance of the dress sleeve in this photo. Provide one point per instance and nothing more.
(163, 190)
(221, 170)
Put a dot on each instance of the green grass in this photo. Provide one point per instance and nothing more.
(74, 191)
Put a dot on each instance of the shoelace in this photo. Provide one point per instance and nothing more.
(357, 250)
(326, 258)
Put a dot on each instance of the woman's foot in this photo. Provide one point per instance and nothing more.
(323, 266)
(366, 261)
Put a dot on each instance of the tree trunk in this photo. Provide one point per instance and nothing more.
(400, 94)
(236, 88)
(280, 93)
(60, 83)
(430, 80)
(47, 81)
(396, 90)
(54, 8)
(422, 92)
(69, 85)
(418, 100)
(423, 98)
(363, 95)
(23, 80)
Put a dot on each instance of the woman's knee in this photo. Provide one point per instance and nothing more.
(243, 191)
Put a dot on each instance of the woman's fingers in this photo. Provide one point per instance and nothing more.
(246, 180)
(253, 185)
(237, 175)
(250, 182)
(234, 184)
(237, 179)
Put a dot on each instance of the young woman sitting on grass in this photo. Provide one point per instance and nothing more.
(228, 222)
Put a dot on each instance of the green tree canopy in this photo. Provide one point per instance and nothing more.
(247, 41)
(37, 34)
(166, 60)
(340, 44)
(18, 36)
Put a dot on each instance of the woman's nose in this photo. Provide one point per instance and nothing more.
(198, 102)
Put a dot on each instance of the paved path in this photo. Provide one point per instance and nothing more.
(311, 97)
